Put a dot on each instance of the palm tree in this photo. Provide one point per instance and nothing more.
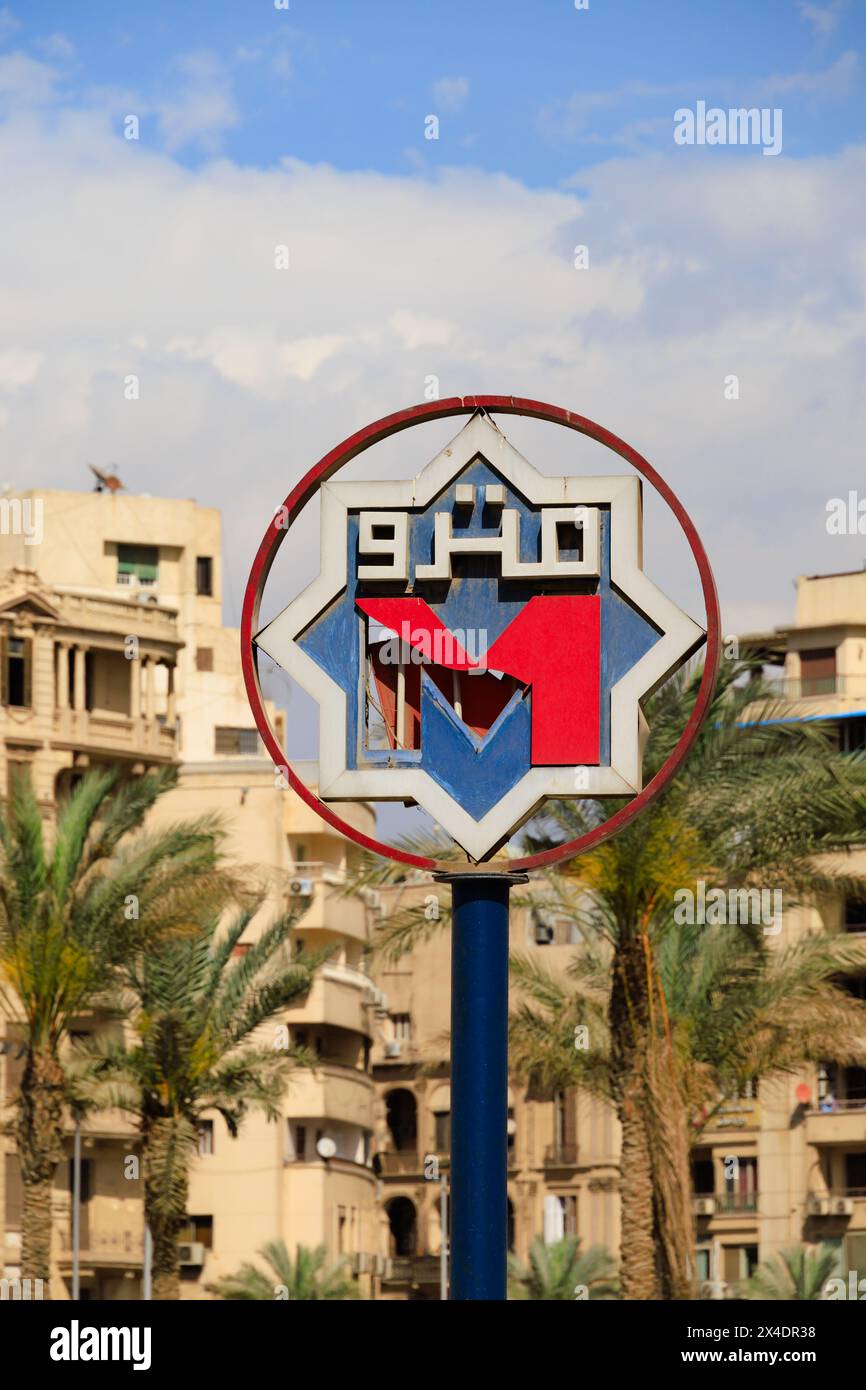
(560, 1271)
(195, 1007)
(69, 912)
(735, 1010)
(760, 801)
(796, 1274)
(308, 1278)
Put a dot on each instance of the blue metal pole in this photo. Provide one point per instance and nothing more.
(479, 1083)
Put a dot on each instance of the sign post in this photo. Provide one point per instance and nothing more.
(479, 1082)
(481, 637)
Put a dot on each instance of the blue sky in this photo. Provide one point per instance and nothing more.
(535, 90)
(452, 259)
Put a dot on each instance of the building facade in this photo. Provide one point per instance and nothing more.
(113, 651)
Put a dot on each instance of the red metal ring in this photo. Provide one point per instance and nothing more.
(374, 434)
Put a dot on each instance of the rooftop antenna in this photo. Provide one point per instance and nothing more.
(105, 482)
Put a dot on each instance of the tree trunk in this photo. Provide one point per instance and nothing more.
(629, 1026)
(39, 1134)
(669, 1140)
(638, 1274)
(168, 1145)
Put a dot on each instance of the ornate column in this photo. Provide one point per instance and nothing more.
(135, 687)
(149, 688)
(62, 675)
(80, 680)
(171, 699)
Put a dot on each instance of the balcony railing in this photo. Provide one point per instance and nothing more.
(413, 1269)
(729, 1203)
(560, 1156)
(813, 687)
(114, 1246)
(399, 1161)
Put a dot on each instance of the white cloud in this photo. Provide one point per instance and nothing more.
(8, 23)
(419, 330)
(24, 81)
(204, 109)
(18, 367)
(834, 81)
(450, 93)
(57, 46)
(119, 260)
(824, 19)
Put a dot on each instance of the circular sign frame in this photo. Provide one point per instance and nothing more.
(374, 434)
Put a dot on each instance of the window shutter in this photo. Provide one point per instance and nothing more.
(554, 1220)
(28, 672)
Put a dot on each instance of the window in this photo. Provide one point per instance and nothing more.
(855, 1172)
(137, 564)
(17, 770)
(855, 914)
(205, 1138)
(560, 1218)
(852, 734)
(703, 1181)
(204, 658)
(16, 672)
(298, 1142)
(401, 1027)
(739, 1262)
(443, 1131)
(86, 1175)
(204, 576)
(741, 1187)
(198, 1229)
(234, 742)
(542, 932)
(818, 671)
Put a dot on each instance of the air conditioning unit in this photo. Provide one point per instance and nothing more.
(361, 1264)
(393, 1048)
(841, 1206)
(704, 1206)
(191, 1252)
(301, 888)
(818, 1206)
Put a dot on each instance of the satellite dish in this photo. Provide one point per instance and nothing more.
(326, 1148)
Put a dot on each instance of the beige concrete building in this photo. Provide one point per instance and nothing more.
(112, 650)
(781, 1165)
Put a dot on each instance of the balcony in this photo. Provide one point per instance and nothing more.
(820, 687)
(114, 734)
(339, 996)
(331, 1092)
(413, 1269)
(398, 1163)
(319, 893)
(844, 1124)
(736, 1203)
(106, 1248)
(560, 1156)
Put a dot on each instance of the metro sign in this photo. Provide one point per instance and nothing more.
(481, 637)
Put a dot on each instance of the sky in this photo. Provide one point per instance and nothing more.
(409, 258)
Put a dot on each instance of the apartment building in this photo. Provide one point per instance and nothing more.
(563, 1150)
(782, 1164)
(113, 651)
